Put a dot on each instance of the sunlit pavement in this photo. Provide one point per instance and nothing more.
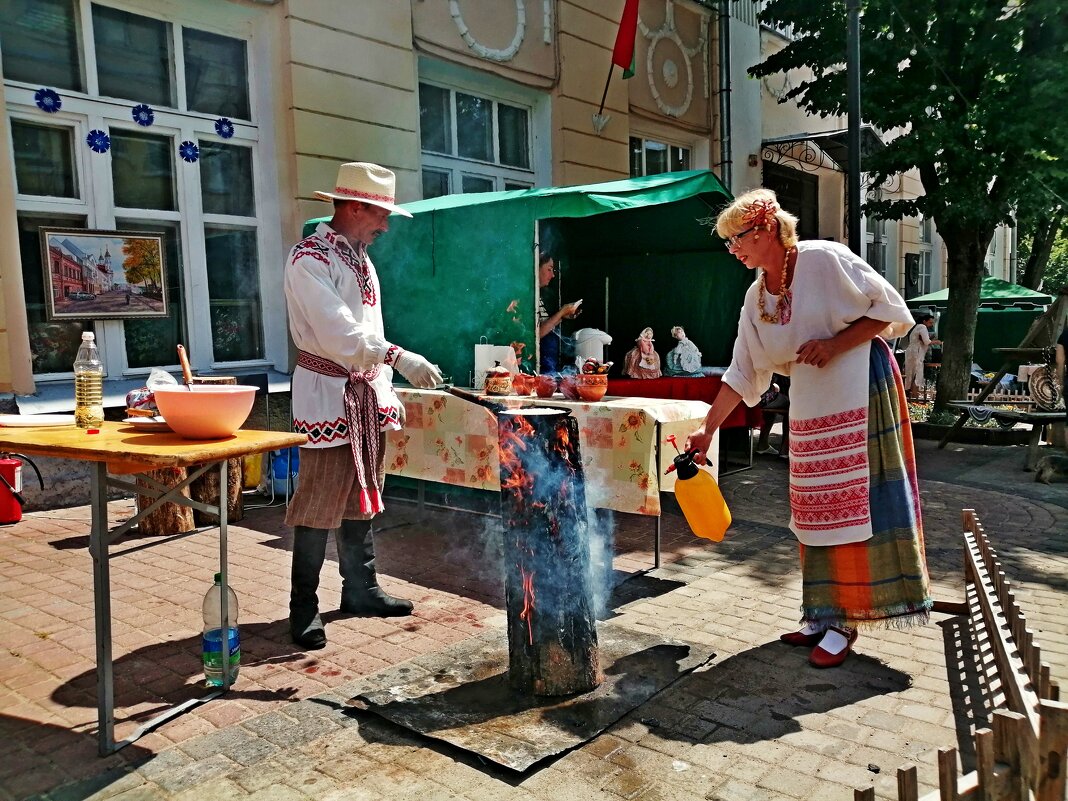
(756, 723)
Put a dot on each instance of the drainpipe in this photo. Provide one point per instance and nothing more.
(725, 93)
(1014, 245)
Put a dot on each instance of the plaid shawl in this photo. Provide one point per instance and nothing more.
(883, 578)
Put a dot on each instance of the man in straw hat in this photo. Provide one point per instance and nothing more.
(343, 398)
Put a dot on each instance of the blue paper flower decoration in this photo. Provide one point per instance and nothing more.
(98, 141)
(224, 128)
(188, 151)
(47, 100)
(143, 115)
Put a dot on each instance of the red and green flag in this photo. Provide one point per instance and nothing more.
(623, 52)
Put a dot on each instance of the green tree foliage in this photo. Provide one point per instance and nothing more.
(970, 94)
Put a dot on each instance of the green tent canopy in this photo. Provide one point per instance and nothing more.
(464, 267)
(994, 292)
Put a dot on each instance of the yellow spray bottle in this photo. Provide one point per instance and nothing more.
(699, 496)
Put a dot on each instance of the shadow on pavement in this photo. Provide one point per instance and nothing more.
(41, 757)
(760, 693)
(169, 673)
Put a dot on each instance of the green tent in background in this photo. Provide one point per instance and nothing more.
(994, 292)
(1006, 312)
(465, 267)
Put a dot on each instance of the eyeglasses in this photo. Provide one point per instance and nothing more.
(732, 241)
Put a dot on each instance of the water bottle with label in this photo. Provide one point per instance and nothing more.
(88, 384)
(213, 635)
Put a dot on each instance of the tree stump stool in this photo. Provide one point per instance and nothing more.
(206, 488)
(169, 518)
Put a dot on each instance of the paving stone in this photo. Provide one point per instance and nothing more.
(194, 774)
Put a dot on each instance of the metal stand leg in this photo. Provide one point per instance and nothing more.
(100, 537)
(656, 543)
(224, 601)
(98, 548)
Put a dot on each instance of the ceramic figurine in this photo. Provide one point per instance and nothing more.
(684, 358)
(642, 360)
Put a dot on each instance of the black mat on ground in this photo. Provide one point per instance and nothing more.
(461, 695)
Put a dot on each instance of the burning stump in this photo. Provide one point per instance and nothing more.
(552, 637)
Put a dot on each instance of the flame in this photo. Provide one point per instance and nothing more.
(523, 427)
(527, 615)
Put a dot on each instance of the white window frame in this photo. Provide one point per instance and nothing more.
(665, 134)
(85, 111)
(926, 236)
(458, 79)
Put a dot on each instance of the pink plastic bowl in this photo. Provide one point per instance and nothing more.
(209, 411)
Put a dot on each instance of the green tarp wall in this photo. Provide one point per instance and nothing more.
(1006, 312)
(464, 267)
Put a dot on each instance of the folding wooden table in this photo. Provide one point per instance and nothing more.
(121, 449)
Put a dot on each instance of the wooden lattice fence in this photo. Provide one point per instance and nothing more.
(1023, 755)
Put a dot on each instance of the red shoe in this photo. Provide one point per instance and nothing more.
(800, 638)
(822, 659)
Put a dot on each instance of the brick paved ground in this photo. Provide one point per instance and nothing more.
(757, 723)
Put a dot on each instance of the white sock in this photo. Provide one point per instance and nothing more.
(833, 642)
(813, 628)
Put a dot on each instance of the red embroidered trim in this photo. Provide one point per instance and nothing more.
(340, 190)
(322, 431)
(323, 366)
(845, 502)
(829, 421)
(836, 442)
(824, 467)
(357, 263)
(313, 247)
(392, 355)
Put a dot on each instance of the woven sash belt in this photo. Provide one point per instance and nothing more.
(361, 412)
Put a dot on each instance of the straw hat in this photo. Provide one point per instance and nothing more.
(367, 183)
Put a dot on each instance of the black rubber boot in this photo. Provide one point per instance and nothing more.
(309, 552)
(360, 593)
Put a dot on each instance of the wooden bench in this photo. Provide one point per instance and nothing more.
(1038, 422)
(1024, 756)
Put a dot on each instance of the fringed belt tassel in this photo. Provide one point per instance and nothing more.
(361, 412)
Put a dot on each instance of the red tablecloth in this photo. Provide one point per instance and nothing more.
(678, 388)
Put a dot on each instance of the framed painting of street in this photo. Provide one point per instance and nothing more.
(103, 275)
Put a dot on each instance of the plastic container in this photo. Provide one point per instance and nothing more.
(212, 640)
(701, 501)
(284, 469)
(88, 384)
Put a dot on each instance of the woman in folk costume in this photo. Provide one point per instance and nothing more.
(918, 343)
(343, 398)
(816, 313)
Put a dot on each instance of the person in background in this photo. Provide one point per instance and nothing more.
(775, 399)
(919, 342)
(343, 398)
(549, 324)
(816, 313)
(1062, 375)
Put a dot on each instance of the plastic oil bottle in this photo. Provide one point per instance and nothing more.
(88, 384)
(699, 497)
(212, 640)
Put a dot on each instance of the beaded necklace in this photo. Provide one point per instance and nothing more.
(781, 314)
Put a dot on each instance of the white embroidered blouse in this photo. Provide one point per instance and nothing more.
(832, 287)
(335, 314)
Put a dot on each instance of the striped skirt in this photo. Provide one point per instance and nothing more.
(328, 491)
(882, 579)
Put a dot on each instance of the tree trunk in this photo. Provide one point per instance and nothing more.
(1041, 246)
(206, 488)
(966, 251)
(552, 637)
(170, 518)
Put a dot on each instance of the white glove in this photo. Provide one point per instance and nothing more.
(419, 372)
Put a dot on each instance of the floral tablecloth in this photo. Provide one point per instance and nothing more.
(450, 440)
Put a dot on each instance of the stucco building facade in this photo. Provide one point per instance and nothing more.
(221, 143)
